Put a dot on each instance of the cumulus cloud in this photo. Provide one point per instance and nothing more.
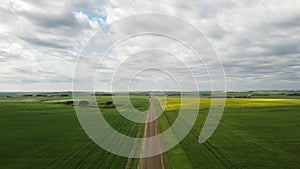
(257, 41)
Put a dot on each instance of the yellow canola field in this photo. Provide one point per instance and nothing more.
(174, 103)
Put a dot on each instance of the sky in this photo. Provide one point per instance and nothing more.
(257, 42)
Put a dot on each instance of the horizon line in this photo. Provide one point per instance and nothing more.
(69, 91)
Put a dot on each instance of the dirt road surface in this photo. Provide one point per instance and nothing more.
(151, 129)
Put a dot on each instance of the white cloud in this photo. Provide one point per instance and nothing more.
(258, 41)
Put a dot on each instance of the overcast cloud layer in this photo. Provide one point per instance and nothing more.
(257, 41)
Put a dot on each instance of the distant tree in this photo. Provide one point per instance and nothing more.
(109, 103)
(83, 103)
(294, 94)
(69, 103)
(27, 95)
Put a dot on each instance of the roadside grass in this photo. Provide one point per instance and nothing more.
(177, 157)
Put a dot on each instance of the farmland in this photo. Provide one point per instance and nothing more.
(253, 133)
(37, 132)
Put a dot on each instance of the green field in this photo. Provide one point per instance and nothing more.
(253, 133)
(36, 132)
